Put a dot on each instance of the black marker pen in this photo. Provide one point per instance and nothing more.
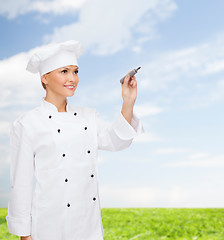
(132, 73)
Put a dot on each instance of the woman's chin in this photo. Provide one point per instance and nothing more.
(70, 94)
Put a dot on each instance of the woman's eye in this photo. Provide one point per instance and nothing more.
(76, 71)
(64, 71)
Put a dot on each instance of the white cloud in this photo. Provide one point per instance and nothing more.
(174, 196)
(217, 92)
(18, 87)
(200, 155)
(147, 109)
(221, 83)
(147, 137)
(137, 49)
(4, 127)
(139, 196)
(13, 9)
(101, 159)
(199, 160)
(4, 158)
(56, 6)
(206, 93)
(170, 150)
(17, 90)
(184, 65)
(106, 27)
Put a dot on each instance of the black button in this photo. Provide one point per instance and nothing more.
(59, 130)
(75, 114)
(92, 175)
(68, 205)
(66, 180)
(88, 151)
(85, 128)
(50, 116)
(94, 199)
(63, 155)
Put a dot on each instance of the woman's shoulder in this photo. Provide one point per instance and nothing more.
(27, 116)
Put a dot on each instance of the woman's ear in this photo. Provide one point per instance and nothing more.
(44, 79)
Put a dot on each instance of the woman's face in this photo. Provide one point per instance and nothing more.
(62, 81)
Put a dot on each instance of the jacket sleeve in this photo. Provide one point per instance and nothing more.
(119, 134)
(21, 181)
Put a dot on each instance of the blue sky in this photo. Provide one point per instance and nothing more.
(179, 161)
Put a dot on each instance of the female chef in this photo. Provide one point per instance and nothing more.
(57, 144)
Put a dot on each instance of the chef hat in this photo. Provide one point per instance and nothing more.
(53, 56)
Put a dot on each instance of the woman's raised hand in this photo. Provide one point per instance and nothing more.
(129, 89)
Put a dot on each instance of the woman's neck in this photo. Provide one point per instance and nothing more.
(59, 103)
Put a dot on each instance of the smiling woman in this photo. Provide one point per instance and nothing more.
(58, 143)
(58, 67)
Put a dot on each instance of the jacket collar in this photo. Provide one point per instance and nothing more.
(52, 107)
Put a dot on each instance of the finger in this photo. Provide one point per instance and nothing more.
(126, 79)
(134, 83)
(131, 82)
(133, 77)
(129, 74)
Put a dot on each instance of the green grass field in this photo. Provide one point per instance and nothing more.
(153, 224)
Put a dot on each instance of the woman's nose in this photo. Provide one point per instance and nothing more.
(73, 78)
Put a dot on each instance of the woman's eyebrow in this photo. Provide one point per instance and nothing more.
(76, 68)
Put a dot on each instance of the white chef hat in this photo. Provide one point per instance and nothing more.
(53, 56)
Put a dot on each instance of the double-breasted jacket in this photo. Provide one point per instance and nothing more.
(59, 150)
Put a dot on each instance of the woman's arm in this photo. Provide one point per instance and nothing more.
(129, 95)
(21, 181)
(126, 125)
(127, 111)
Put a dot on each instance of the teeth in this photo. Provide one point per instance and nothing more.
(69, 86)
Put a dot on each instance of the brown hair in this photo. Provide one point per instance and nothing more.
(43, 84)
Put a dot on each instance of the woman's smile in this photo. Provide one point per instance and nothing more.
(71, 87)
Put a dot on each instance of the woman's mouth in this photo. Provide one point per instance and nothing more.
(71, 87)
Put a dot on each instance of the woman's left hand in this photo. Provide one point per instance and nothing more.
(129, 89)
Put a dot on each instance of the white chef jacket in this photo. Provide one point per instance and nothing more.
(60, 150)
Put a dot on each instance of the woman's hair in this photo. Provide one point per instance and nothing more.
(43, 84)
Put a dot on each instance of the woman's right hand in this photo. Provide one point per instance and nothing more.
(26, 238)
